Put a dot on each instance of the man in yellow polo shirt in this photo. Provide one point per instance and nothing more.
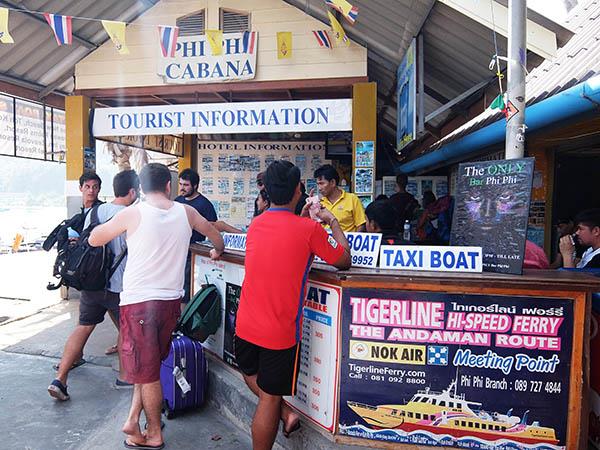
(346, 207)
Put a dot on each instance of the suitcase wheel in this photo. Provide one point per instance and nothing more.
(168, 412)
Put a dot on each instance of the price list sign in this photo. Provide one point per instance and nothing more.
(317, 378)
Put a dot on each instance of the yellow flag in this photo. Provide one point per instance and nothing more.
(338, 31)
(284, 44)
(5, 36)
(116, 32)
(215, 39)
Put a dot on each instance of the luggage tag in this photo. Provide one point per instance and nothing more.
(181, 381)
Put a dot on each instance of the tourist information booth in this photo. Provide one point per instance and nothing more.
(471, 360)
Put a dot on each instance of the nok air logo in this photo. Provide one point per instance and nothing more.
(359, 350)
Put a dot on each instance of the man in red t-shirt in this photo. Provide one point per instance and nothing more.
(280, 247)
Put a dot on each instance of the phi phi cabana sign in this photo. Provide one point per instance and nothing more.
(193, 59)
(221, 118)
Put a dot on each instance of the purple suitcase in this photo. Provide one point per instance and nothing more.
(188, 355)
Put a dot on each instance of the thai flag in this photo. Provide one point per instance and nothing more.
(248, 41)
(352, 15)
(322, 38)
(168, 40)
(61, 25)
(349, 12)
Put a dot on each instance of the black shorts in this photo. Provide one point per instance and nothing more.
(93, 305)
(276, 370)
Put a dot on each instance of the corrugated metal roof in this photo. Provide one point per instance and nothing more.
(35, 60)
(574, 63)
(457, 50)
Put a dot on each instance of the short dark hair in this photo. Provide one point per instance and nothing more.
(265, 196)
(384, 214)
(124, 181)
(328, 172)
(402, 180)
(190, 175)
(381, 197)
(428, 198)
(154, 178)
(281, 180)
(589, 218)
(89, 176)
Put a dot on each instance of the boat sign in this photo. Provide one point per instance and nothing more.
(437, 258)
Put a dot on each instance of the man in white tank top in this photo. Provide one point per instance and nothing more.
(158, 235)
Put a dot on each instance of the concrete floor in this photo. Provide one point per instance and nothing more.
(31, 340)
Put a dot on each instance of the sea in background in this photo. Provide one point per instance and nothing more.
(33, 222)
(32, 197)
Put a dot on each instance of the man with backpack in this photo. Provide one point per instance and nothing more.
(89, 186)
(158, 236)
(280, 247)
(93, 305)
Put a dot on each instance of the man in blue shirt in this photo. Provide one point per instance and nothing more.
(189, 195)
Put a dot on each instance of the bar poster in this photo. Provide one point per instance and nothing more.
(492, 211)
(455, 370)
(232, 301)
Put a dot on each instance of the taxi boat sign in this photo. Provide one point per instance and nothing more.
(436, 258)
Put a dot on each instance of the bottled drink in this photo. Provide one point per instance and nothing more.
(406, 234)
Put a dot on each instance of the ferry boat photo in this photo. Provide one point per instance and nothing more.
(449, 413)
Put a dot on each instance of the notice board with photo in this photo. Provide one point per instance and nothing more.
(492, 211)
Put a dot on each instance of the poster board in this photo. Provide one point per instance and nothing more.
(455, 370)
(492, 211)
(228, 171)
(316, 396)
(406, 90)
(364, 158)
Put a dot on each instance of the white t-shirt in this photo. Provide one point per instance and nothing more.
(157, 253)
(587, 256)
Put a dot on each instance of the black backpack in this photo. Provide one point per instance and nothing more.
(201, 317)
(79, 265)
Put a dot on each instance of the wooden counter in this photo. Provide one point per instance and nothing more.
(445, 359)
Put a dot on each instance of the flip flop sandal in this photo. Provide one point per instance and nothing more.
(288, 433)
(143, 447)
(79, 362)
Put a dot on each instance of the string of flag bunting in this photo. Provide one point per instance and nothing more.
(62, 29)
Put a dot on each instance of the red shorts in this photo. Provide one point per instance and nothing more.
(145, 338)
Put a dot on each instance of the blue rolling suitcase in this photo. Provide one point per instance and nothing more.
(183, 376)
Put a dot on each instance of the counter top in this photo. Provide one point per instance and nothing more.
(531, 278)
